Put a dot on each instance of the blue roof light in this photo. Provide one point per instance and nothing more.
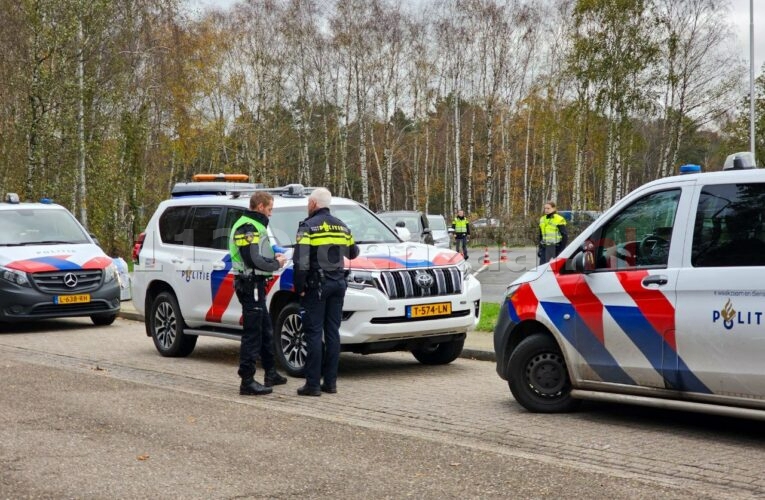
(46, 200)
(690, 169)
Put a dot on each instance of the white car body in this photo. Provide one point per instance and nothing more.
(656, 303)
(380, 300)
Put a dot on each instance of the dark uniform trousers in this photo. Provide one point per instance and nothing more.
(257, 332)
(322, 312)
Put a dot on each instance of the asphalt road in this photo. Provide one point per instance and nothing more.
(495, 276)
(95, 412)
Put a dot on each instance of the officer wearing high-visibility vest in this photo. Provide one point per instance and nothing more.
(253, 260)
(552, 233)
(461, 231)
(323, 242)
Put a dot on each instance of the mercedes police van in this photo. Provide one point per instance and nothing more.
(50, 267)
(660, 302)
(401, 295)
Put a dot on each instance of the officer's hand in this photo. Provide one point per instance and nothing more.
(281, 259)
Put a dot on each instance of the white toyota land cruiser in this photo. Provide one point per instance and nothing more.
(401, 295)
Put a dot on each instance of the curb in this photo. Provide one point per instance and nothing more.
(467, 353)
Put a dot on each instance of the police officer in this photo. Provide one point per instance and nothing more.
(552, 233)
(461, 228)
(252, 261)
(323, 244)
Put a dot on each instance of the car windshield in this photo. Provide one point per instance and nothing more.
(31, 226)
(436, 223)
(364, 225)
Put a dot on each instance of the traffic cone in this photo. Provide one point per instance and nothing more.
(486, 260)
(503, 254)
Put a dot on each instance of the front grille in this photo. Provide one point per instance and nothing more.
(55, 281)
(403, 284)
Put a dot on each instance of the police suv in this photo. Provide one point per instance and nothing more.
(401, 295)
(660, 302)
(50, 267)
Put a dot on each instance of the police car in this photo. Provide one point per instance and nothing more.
(401, 295)
(660, 302)
(50, 267)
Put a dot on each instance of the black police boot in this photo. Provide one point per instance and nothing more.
(308, 391)
(329, 389)
(273, 378)
(250, 387)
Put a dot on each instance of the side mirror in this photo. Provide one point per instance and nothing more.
(95, 240)
(403, 233)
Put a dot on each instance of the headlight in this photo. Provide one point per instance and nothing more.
(16, 277)
(467, 270)
(360, 279)
(110, 273)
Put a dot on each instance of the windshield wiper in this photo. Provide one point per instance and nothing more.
(49, 242)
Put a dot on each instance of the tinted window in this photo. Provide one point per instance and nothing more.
(203, 225)
(172, 224)
(639, 236)
(728, 229)
(222, 233)
(437, 223)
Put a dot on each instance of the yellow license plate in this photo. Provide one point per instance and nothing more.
(421, 311)
(82, 298)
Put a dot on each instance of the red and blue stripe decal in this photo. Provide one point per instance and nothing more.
(222, 290)
(57, 263)
(650, 326)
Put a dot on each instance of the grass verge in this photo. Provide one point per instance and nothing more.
(489, 315)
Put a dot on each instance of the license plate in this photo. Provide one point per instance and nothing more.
(421, 311)
(82, 298)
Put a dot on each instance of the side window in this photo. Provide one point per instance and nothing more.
(639, 236)
(172, 224)
(224, 230)
(728, 229)
(204, 221)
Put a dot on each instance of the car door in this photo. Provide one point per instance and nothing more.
(623, 307)
(721, 294)
(225, 306)
(194, 273)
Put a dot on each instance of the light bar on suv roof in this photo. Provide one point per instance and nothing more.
(234, 189)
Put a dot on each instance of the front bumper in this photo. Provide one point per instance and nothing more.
(19, 303)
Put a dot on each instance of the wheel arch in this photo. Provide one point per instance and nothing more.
(279, 301)
(522, 331)
(155, 288)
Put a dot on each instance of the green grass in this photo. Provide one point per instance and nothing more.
(489, 314)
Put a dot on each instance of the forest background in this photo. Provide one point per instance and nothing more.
(492, 106)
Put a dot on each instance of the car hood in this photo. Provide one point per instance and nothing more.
(42, 258)
(403, 256)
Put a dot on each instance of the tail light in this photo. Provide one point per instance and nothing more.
(137, 247)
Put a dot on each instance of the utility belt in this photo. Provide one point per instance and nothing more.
(251, 277)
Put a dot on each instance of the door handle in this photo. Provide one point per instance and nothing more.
(219, 266)
(177, 260)
(656, 279)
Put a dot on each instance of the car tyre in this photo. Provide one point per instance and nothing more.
(290, 347)
(103, 319)
(538, 377)
(166, 325)
(442, 353)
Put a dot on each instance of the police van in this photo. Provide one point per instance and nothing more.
(401, 295)
(660, 302)
(50, 267)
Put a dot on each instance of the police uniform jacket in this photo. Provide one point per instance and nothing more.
(250, 247)
(323, 243)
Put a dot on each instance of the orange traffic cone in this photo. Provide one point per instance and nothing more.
(503, 254)
(486, 260)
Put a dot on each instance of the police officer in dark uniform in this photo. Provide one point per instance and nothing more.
(323, 243)
(252, 261)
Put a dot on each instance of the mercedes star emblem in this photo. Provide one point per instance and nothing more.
(70, 280)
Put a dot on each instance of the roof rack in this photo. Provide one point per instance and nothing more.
(235, 189)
